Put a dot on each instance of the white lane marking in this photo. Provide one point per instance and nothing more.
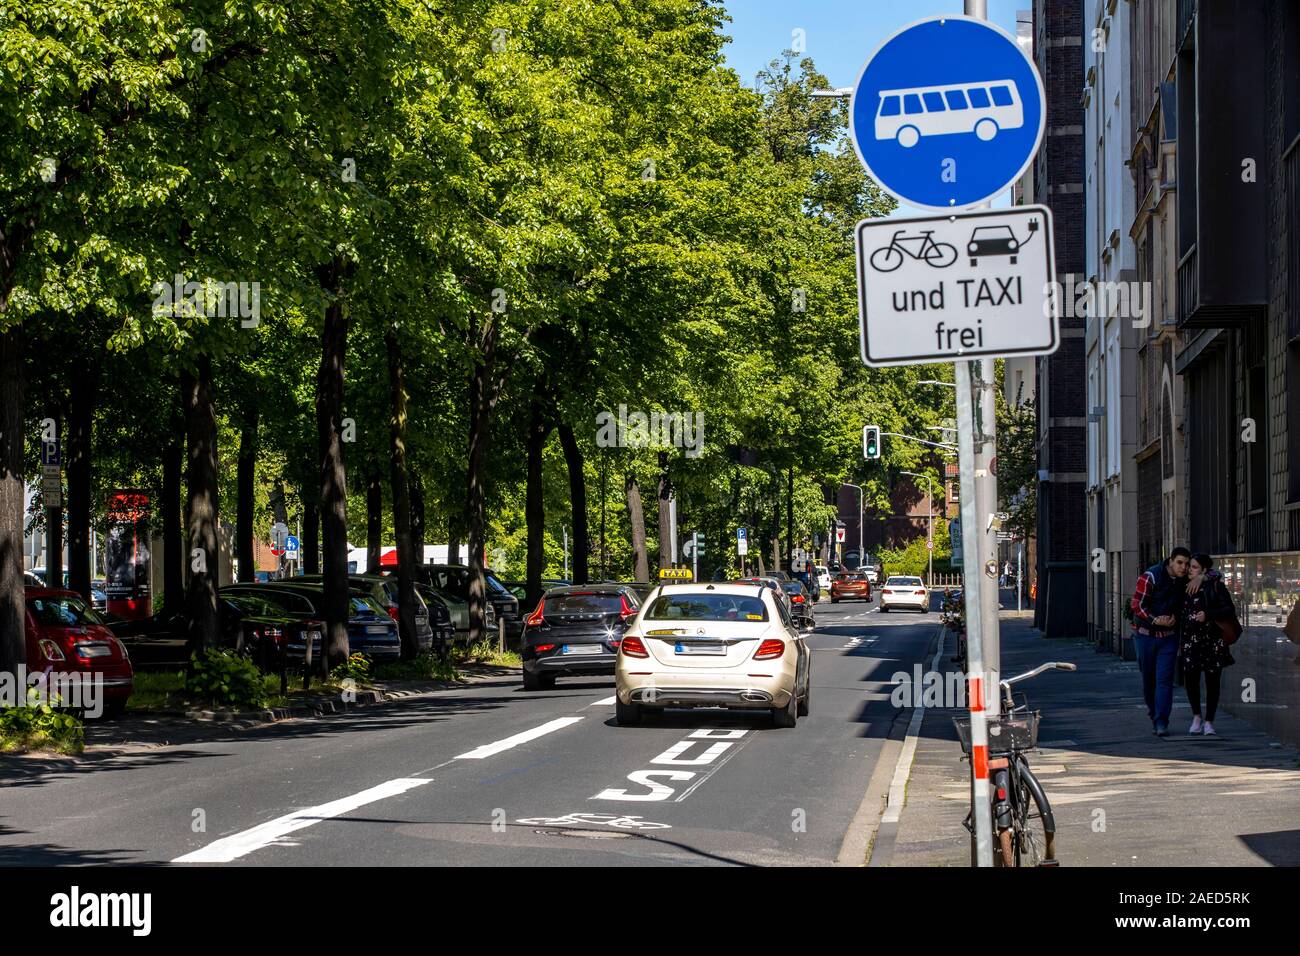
(646, 779)
(231, 848)
(672, 757)
(607, 702)
(903, 769)
(487, 750)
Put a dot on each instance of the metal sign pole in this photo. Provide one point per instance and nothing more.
(974, 596)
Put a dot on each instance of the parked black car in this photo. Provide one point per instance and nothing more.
(575, 631)
(248, 624)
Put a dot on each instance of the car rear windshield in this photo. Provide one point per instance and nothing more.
(62, 612)
(364, 605)
(855, 576)
(707, 607)
(906, 583)
(582, 602)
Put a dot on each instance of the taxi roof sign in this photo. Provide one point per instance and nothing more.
(676, 574)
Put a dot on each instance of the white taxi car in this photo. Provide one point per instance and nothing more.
(902, 591)
(713, 645)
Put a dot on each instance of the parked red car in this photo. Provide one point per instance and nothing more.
(850, 585)
(69, 638)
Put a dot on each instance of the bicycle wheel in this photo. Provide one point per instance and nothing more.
(887, 259)
(941, 255)
(1031, 818)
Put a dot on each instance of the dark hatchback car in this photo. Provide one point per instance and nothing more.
(370, 630)
(575, 632)
(800, 603)
(249, 624)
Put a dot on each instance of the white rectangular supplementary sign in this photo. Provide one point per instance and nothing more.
(968, 285)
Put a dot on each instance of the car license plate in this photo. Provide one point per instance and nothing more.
(377, 629)
(714, 650)
(582, 649)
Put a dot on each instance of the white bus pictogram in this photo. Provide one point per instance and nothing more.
(981, 108)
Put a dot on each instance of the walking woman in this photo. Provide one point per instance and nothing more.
(1202, 647)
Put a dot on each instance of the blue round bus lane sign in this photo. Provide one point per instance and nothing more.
(947, 113)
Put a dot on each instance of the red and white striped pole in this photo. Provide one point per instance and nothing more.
(973, 563)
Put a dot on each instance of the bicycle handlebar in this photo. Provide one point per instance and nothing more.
(1049, 666)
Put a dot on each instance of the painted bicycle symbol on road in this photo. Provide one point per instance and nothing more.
(615, 820)
(921, 247)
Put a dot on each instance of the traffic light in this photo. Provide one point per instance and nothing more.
(871, 441)
(699, 543)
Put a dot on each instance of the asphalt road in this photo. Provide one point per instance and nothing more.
(494, 775)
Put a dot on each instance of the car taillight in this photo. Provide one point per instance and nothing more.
(633, 647)
(886, 591)
(798, 599)
(395, 612)
(769, 648)
(50, 650)
(274, 633)
(543, 648)
(920, 592)
(626, 610)
(535, 618)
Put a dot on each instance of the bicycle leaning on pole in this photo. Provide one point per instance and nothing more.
(1022, 817)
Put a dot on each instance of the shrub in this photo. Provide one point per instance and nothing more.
(427, 666)
(39, 726)
(227, 680)
(356, 669)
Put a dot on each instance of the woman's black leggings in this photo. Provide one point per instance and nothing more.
(1192, 679)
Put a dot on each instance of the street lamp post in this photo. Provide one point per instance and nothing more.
(929, 495)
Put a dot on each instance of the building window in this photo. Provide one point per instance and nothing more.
(1292, 421)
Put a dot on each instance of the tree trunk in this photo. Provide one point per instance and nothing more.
(310, 537)
(81, 418)
(201, 505)
(482, 402)
(401, 497)
(374, 518)
(417, 518)
(333, 476)
(173, 534)
(54, 521)
(245, 495)
(636, 516)
(13, 650)
(789, 518)
(665, 525)
(453, 540)
(534, 505)
(578, 502)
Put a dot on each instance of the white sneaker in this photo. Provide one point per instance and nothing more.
(1196, 725)
(1209, 730)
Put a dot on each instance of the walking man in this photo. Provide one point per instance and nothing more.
(1156, 603)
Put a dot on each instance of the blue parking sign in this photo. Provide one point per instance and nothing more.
(947, 113)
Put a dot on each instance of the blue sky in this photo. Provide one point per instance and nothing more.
(838, 34)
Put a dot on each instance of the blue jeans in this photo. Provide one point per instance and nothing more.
(1156, 657)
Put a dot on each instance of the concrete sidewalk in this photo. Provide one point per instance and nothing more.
(1121, 796)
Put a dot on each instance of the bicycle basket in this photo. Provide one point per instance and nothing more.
(1008, 733)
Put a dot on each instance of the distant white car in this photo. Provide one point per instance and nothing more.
(900, 591)
(824, 578)
(729, 645)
